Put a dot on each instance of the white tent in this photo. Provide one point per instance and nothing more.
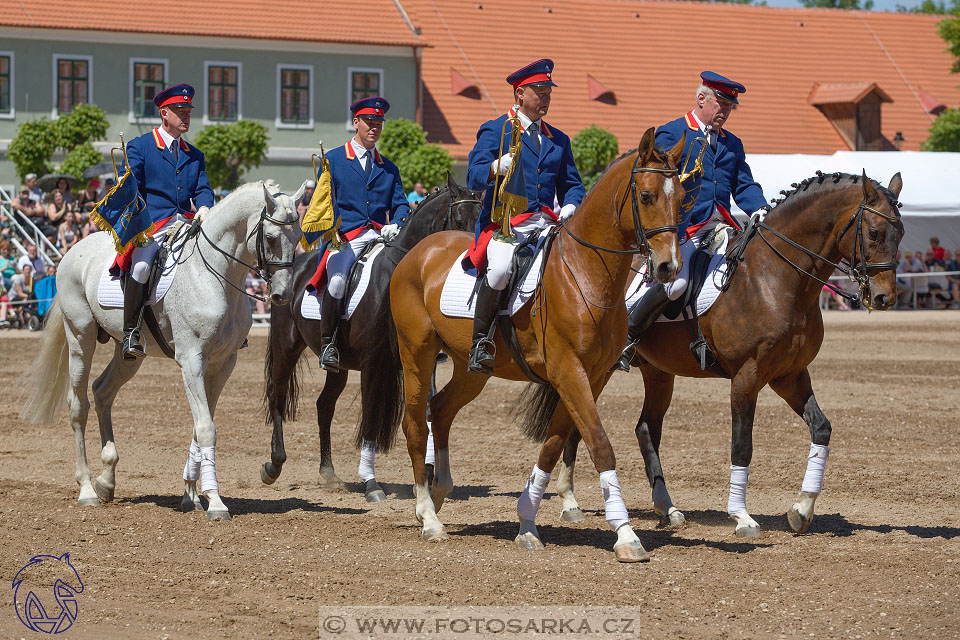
(930, 195)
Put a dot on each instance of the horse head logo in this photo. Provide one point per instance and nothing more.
(47, 581)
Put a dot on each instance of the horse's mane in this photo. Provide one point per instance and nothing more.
(658, 151)
(825, 182)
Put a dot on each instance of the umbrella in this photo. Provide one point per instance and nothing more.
(98, 170)
(49, 182)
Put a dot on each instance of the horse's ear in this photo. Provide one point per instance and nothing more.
(268, 199)
(452, 183)
(896, 184)
(645, 148)
(673, 156)
(869, 191)
(298, 196)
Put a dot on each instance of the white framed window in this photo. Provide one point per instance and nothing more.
(8, 109)
(148, 77)
(72, 82)
(362, 82)
(294, 96)
(223, 91)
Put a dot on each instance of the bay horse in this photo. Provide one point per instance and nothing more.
(570, 332)
(453, 207)
(766, 328)
(205, 316)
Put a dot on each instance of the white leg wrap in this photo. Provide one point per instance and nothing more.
(529, 502)
(431, 454)
(208, 470)
(191, 470)
(738, 489)
(616, 510)
(816, 463)
(367, 453)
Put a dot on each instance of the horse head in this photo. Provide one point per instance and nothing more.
(277, 235)
(451, 208)
(877, 242)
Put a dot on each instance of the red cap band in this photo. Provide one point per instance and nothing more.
(369, 111)
(178, 99)
(722, 88)
(537, 77)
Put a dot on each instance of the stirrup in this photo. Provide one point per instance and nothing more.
(132, 349)
(330, 358)
(482, 356)
(626, 357)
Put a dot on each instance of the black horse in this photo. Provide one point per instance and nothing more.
(453, 207)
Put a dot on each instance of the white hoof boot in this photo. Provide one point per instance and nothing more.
(674, 519)
(628, 547)
(747, 527)
(529, 537)
(800, 514)
(574, 514)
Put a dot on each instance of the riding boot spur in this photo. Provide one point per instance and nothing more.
(483, 352)
(642, 316)
(134, 295)
(329, 319)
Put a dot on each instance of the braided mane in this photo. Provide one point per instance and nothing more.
(822, 181)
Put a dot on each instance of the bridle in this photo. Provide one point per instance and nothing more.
(449, 222)
(265, 268)
(859, 264)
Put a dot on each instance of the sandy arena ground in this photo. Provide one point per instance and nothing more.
(882, 558)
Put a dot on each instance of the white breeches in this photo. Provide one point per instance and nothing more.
(339, 262)
(676, 288)
(142, 258)
(500, 254)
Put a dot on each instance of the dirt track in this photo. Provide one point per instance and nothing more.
(882, 557)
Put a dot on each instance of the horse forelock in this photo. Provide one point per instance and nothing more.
(826, 183)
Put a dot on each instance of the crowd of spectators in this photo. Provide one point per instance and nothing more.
(935, 292)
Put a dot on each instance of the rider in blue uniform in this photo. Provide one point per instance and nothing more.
(707, 200)
(170, 174)
(370, 202)
(549, 173)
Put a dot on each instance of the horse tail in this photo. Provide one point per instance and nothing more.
(280, 398)
(48, 378)
(535, 409)
(381, 382)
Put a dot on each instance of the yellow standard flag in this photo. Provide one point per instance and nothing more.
(321, 221)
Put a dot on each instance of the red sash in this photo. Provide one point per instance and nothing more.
(729, 219)
(316, 282)
(476, 257)
(121, 264)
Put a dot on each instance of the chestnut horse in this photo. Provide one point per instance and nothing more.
(570, 332)
(766, 328)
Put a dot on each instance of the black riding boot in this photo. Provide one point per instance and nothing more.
(642, 316)
(483, 352)
(329, 319)
(134, 295)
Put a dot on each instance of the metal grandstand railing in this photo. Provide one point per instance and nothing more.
(27, 231)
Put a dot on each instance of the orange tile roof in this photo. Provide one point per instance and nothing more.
(649, 54)
(376, 22)
(841, 92)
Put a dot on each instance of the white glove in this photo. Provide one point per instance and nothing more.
(567, 210)
(758, 215)
(202, 211)
(389, 232)
(502, 164)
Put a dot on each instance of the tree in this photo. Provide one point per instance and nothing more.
(232, 149)
(837, 4)
(36, 141)
(405, 144)
(932, 6)
(944, 133)
(593, 149)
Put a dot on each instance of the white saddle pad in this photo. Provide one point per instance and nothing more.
(456, 301)
(310, 304)
(110, 295)
(708, 294)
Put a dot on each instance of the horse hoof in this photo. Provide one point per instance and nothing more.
(631, 552)
(219, 515)
(435, 535)
(529, 542)
(329, 479)
(572, 515)
(797, 521)
(265, 475)
(105, 493)
(376, 496)
(89, 502)
(675, 520)
(188, 505)
(748, 532)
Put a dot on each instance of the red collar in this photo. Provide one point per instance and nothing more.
(158, 139)
(692, 123)
(512, 113)
(351, 154)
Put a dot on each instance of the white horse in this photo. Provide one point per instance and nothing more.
(205, 316)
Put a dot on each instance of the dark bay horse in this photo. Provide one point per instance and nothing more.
(766, 328)
(453, 207)
(570, 333)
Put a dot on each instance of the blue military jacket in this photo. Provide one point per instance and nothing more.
(167, 187)
(552, 173)
(725, 174)
(360, 201)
